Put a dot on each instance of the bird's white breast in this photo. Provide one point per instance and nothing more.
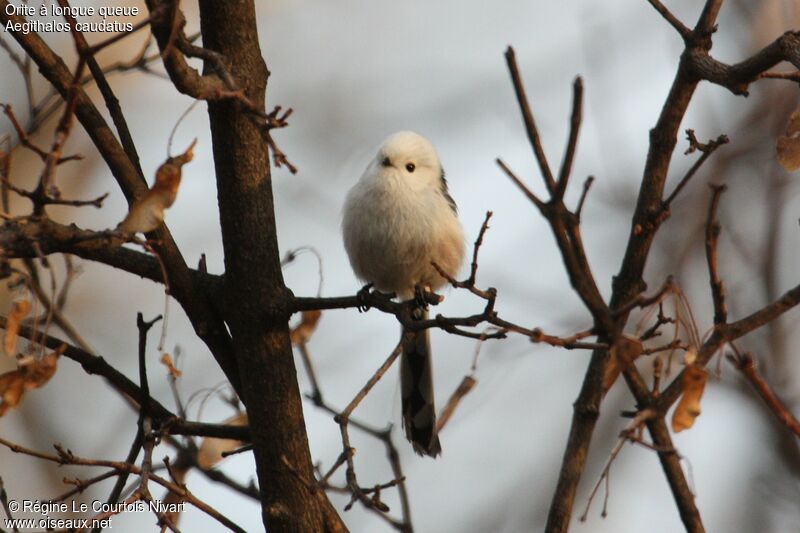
(392, 233)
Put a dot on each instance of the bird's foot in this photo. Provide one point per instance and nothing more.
(422, 294)
(362, 296)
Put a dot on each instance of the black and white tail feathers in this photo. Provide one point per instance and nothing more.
(416, 385)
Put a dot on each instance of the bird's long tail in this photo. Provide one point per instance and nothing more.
(416, 384)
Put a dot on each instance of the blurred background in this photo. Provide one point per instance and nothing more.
(355, 71)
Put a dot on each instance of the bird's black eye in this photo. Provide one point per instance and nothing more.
(410, 167)
(385, 162)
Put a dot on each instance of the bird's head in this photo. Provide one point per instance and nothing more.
(409, 157)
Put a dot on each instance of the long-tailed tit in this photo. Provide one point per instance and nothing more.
(399, 219)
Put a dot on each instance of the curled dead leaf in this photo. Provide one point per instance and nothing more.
(691, 356)
(19, 310)
(172, 500)
(464, 388)
(211, 449)
(147, 213)
(624, 352)
(308, 323)
(688, 408)
(5, 160)
(39, 371)
(788, 146)
(31, 374)
(166, 360)
(12, 386)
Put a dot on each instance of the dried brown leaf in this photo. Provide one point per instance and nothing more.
(788, 146)
(622, 353)
(147, 213)
(19, 310)
(308, 323)
(688, 408)
(39, 371)
(31, 374)
(210, 452)
(464, 388)
(12, 387)
(173, 500)
(166, 360)
(5, 162)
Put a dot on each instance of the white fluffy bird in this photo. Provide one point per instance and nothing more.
(399, 219)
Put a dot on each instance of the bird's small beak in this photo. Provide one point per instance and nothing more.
(385, 162)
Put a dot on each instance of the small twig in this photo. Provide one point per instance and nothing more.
(712, 236)
(537, 335)
(791, 76)
(343, 419)
(64, 457)
(384, 435)
(122, 478)
(674, 345)
(25, 140)
(138, 61)
(178, 123)
(175, 29)
(291, 255)
(644, 301)
(146, 472)
(5, 173)
(679, 26)
(729, 332)
(402, 311)
(586, 186)
(464, 388)
(661, 319)
(187, 455)
(626, 435)
(237, 451)
(563, 223)
(144, 387)
(114, 510)
(530, 125)
(145, 423)
(572, 143)
(478, 346)
(94, 49)
(167, 291)
(4, 502)
(172, 379)
(469, 283)
(15, 58)
(658, 366)
(344, 415)
(82, 484)
(41, 199)
(476, 248)
(316, 394)
(746, 365)
(518, 182)
(266, 122)
(70, 274)
(93, 364)
(707, 149)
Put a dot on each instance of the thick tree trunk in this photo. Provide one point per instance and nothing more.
(256, 298)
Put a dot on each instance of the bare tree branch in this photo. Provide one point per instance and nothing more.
(747, 366)
(712, 236)
(93, 364)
